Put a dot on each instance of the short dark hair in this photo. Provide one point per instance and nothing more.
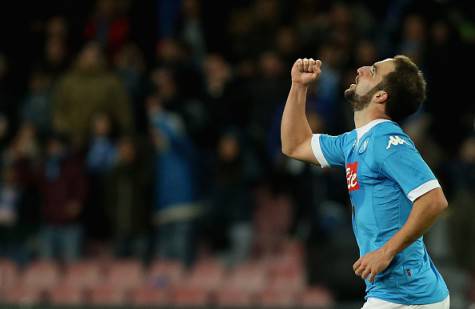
(406, 88)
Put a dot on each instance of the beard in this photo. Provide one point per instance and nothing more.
(360, 102)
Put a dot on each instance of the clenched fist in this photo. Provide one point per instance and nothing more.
(305, 71)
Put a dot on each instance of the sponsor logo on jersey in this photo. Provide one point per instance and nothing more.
(351, 176)
(363, 146)
(395, 140)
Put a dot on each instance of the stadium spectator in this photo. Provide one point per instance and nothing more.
(63, 191)
(109, 25)
(101, 157)
(87, 89)
(127, 200)
(174, 187)
(229, 217)
(462, 230)
(10, 203)
(37, 104)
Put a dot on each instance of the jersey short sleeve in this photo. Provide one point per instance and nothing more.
(400, 161)
(328, 149)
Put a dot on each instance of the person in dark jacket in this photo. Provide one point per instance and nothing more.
(62, 186)
(127, 200)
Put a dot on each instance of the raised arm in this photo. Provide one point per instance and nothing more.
(295, 131)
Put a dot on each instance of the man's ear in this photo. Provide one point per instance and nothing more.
(380, 97)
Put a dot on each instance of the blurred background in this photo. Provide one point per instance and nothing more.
(140, 159)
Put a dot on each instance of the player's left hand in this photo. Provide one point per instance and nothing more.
(372, 264)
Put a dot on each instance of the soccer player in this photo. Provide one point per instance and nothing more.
(394, 195)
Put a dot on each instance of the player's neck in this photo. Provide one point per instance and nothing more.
(365, 116)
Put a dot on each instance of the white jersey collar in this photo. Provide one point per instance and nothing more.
(364, 129)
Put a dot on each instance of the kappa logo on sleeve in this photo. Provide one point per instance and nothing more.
(395, 140)
(351, 176)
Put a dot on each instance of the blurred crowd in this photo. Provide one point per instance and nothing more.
(170, 149)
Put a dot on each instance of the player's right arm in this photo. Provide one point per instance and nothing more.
(295, 131)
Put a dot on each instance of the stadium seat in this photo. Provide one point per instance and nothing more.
(107, 295)
(207, 274)
(125, 274)
(233, 298)
(149, 296)
(286, 272)
(65, 295)
(248, 277)
(83, 275)
(272, 220)
(8, 276)
(292, 281)
(23, 295)
(163, 273)
(41, 275)
(188, 296)
(274, 298)
(316, 297)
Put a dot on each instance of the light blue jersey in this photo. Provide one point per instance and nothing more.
(385, 175)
